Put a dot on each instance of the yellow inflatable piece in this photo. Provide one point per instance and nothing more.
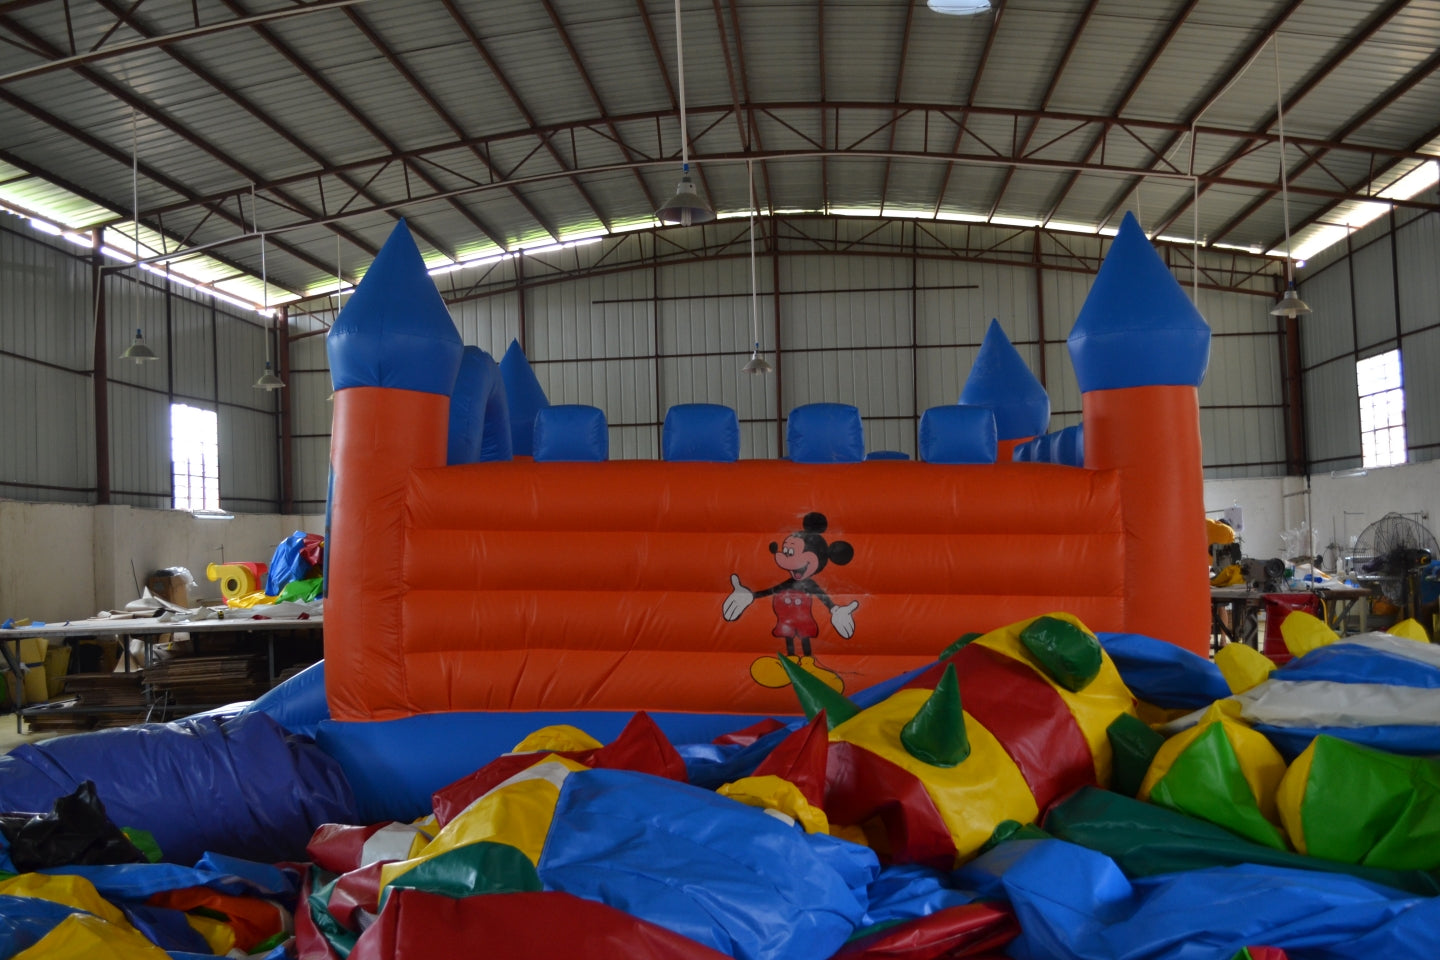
(776, 793)
(1304, 632)
(250, 600)
(1291, 796)
(516, 813)
(67, 889)
(972, 796)
(218, 934)
(1228, 577)
(557, 738)
(83, 937)
(1094, 708)
(1409, 629)
(1243, 667)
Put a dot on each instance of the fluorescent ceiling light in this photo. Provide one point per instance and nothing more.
(959, 8)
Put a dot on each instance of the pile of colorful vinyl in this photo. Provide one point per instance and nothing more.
(1037, 792)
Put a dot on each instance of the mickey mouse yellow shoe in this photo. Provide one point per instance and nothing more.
(767, 672)
(827, 677)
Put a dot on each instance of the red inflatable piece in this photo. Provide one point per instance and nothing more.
(517, 926)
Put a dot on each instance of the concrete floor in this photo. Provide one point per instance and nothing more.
(9, 739)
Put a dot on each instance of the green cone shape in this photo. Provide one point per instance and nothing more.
(1068, 654)
(815, 695)
(1135, 746)
(936, 734)
(964, 641)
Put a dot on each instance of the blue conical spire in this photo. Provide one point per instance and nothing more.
(1137, 327)
(1001, 381)
(395, 330)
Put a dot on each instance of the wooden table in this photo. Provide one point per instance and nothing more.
(1245, 605)
(148, 630)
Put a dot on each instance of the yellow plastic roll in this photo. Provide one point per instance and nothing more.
(1304, 632)
(236, 580)
(67, 889)
(1243, 667)
(1409, 629)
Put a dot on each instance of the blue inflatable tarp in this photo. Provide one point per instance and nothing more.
(242, 787)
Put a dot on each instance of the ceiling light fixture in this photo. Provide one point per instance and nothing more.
(139, 350)
(758, 363)
(268, 381)
(686, 207)
(1290, 305)
(959, 8)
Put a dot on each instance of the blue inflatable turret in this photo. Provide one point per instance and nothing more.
(1137, 327)
(1001, 381)
(395, 330)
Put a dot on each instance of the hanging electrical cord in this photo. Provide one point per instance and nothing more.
(758, 363)
(1290, 304)
(268, 380)
(139, 350)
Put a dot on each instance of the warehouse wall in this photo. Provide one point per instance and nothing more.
(1378, 291)
(885, 314)
(63, 561)
(210, 354)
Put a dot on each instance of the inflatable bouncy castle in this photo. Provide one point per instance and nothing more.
(460, 580)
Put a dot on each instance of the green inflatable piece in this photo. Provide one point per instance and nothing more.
(341, 940)
(301, 591)
(1134, 745)
(144, 841)
(964, 641)
(1014, 830)
(1205, 781)
(816, 695)
(1146, 840)
(475, 868)
(936, 734)
(1366, 806)
(1068, 654)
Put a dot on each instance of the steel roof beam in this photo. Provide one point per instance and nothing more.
(509, 88)
(254, 111)
(745, 95)
(1320, 216)
(1307, 86)
(151, 41)
(1156, 52)
(970, 102)
(899, 84)
(129, 99)
(945, 112)
(425, 94)
(309, 73)
(150, 173)
(1412, 78)
(1076, 32)
(575, 57)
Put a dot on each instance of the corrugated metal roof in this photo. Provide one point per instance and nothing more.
(424, 93)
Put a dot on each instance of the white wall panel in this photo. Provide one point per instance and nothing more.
(140, 446)
(1332, 416)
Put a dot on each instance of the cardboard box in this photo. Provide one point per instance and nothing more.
(167, 587)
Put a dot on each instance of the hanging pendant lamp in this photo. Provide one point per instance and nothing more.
(758, 363)
(686, 207)
(1289, 305)
(268, 381)
(138, 351)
